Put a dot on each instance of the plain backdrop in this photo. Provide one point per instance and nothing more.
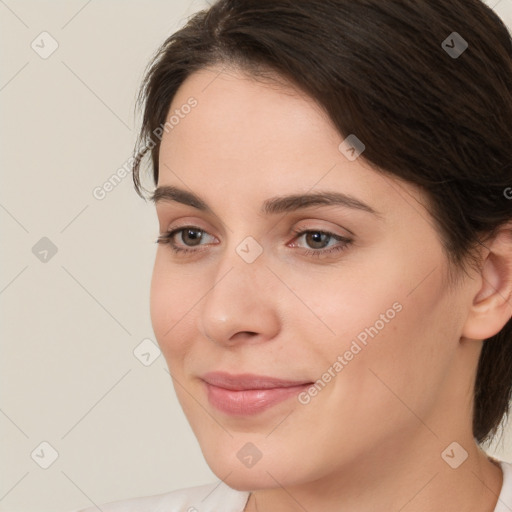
(85, 417)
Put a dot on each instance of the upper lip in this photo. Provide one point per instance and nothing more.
(248, 381)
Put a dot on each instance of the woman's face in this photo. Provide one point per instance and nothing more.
(349, 296)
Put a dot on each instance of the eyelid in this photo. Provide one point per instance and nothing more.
(299, 233)
(167, 217)
(175, 230)
(193, 223)
(343, 242)
(300, 229)
(314, 225)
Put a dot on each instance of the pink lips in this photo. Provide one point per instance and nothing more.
(248, 394)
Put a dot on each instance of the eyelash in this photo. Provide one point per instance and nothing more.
(167, 239)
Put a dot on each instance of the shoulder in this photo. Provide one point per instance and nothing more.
(505, 498)
(201, 498)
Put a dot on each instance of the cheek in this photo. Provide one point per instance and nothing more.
(389, 315)
(402, 361)
(172, 296)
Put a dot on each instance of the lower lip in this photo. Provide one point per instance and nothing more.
(250, 401)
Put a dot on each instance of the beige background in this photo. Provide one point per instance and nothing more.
(70, 324)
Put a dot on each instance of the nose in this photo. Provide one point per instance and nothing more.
(241, 304)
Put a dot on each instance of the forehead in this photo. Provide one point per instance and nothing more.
(240, 122)
(263, 139)
(248, 114)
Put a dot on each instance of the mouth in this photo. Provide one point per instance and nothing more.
(249, 394)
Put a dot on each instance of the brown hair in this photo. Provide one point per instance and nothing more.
(382, 71)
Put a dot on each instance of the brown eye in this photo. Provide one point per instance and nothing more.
(317, 239)
(318, 242)
(190, 238)
(192, 234)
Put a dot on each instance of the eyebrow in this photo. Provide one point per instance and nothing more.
(272, 206)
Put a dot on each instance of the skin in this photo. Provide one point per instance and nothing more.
(372, 439)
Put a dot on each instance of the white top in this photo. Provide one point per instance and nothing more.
(218, 497)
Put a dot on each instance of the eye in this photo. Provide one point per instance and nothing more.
(191, 234)
(318, 238)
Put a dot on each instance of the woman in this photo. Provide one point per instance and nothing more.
(332, 288)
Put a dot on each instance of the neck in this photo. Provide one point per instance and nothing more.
(423, 483)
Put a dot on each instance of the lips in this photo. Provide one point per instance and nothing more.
(248, 394)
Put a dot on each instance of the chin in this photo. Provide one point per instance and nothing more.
(270, 471)
(252, 479)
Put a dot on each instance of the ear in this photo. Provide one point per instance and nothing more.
(491, 308)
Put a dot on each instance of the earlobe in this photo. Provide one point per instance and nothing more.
(492, 304)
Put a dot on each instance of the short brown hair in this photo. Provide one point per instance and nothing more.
(380, 70)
